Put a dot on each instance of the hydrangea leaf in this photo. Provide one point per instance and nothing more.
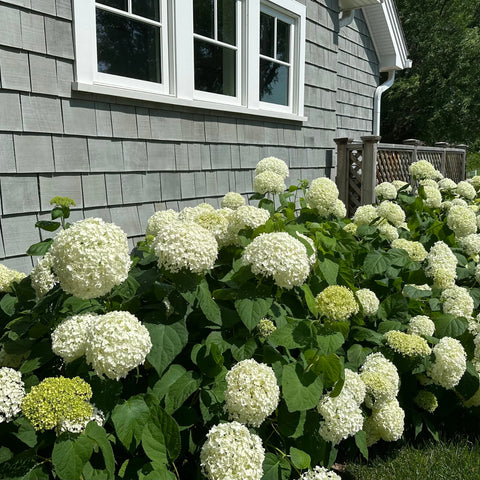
(153, 442)
(40, 248)
(361, 443)
(174, 372)
(208, 306)
(329, 270)
(469, 383)
(185, 386)
(170, 430)
(275, 468)
(300, 459)
(375, 263)
(301, 390)
(99, 435)
(357, 354)
(447, 325)
(252, 310)
(26, 432)
(70, 455)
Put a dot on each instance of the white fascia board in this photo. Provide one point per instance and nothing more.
(346, 5)
(387, 36)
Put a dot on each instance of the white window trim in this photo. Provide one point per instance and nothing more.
(179, 87)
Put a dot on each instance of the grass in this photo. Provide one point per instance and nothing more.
(457, 459)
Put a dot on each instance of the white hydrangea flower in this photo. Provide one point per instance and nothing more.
(214, 221)
(159, 219)
(339, 209)
(441, 265)
(7, 276)
(398, 184)
(269, 182)
(475, 181)
(12, 391)
(389, 231)
(421, 325)
(474, 208)
(322, 195)
(433, 197)
(368, 300)
(447, 184)
(470, 244)
(457, 301)
(391, 212)
(252, 392)
(461, 220)
(337, 303)
(422, 170)
(351, 228)
(70, 336)
(387, 422)
(232, 200)
(365, 214)
(386, 191)
(319, 473)
(450, 363)
(78, 426)
(232, 452)
(191, 214)
(246, 216)
(476, 353)
(90, 258)
(354, 387)
(185, 245)
(474, 325)
(407, 344)
(429, 182)
(116, 343)
(272, 164)
(42, 277)
(415, 250)
(466, 190)
(380, 377)
(280, 256)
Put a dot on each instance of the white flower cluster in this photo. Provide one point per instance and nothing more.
(470, 244)
(185, 245)
(270, 176)
(191, 214)
(280, 256)
(232, 200)
(214, 221)
(407, 344)
(116, 343)
(441, 265)
(433, 197)
(391, 212)
(323, 195)
(159, 219)
(272, 164)
(365, 214)
(386, 422)
(422, 170)
(368, 300)
(401, 184)
(337, 303)
(42, 276)
(421, 325)
(252, 392)
(415, 250)
(12, 392)
(380, 377)
(79, 425)
(70, 336)
(90, 258)
(446, 184)
(475, 181)
(232, 452)
(389, 231)
(7, 276)
(457, 302)
(319, 473)
(466, 190)
(342, 415)
(245, 217)
(386, 191)
(461, 220)
(450, 363)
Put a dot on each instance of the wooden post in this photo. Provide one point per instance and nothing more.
(415, 143)
(443, 146)
(464, 160)
(369, 168)
(342, 167)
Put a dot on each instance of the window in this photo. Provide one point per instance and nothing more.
(236, 55)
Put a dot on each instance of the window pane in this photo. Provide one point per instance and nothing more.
(127, 47)
(283, 41)
(215, 68)
(203, 17)
(273, 82)
(147, 8)
(120, 4)
(226, 21)
(267, 34)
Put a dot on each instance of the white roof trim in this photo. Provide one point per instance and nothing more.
(387, 36)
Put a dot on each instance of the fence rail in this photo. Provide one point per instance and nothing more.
(362, 165)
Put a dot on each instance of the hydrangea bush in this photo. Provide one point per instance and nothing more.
(254, 341)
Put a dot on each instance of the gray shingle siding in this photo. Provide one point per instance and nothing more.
(123, 159)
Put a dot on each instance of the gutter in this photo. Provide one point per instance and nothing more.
(377, 100)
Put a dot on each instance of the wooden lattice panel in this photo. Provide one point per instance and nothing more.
(354, 181)
(454, 166)
(435, 158)
(393, 165)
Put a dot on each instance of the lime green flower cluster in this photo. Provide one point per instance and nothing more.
(426, 400)
(57, 400)
(406, 344)
(336, 303)
(63, 201)
(265, 328)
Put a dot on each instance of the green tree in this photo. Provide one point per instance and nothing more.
(438, 99)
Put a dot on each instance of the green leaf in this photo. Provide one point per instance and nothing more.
(398, 257)
(388, 325)
(300, 459)
(328, 366)
(301, 390)
(70, 455)
(365, 334)
(361, 443)
(185, 386)
(275, 468)
(174, 372)
(394, 307)
(208, 306)
(310, 300)
(48, 225)
(153, 442)
(8, 303)
(329, 270)
(168, 341)
(330, 343)
(170, 430)
(40, 248)
(129, 419)
(292, 335)
(375, 263)
(252, 310)
(469, 383)
(26, 433)
(413, 292)
(357, 354)
(99, 435)
(38, 473)
(447, 325)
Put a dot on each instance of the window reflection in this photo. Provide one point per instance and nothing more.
(273, 82)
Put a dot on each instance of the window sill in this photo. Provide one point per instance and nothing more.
(170, 100)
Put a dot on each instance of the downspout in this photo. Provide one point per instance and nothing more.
(347, 17)
(377, 101)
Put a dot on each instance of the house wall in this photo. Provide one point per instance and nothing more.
(122, 160)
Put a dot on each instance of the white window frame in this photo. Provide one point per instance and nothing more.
(178, 63)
